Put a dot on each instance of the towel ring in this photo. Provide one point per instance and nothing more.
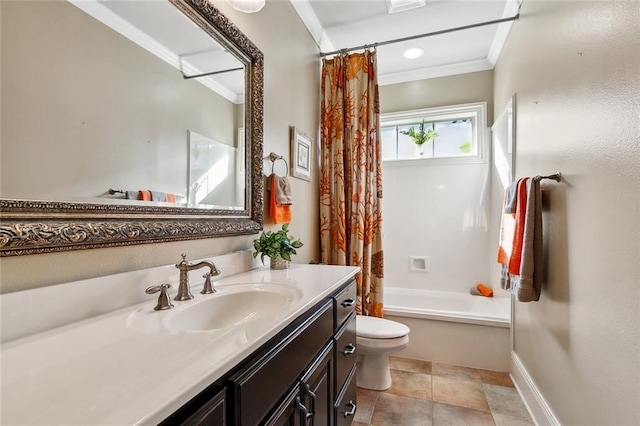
(275, 157)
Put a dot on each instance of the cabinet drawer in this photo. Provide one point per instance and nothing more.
(345, 407)
(345, 303)
(345, 351)
(259, 386)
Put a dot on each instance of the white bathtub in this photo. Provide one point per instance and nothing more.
(452, 327)
(447, 306)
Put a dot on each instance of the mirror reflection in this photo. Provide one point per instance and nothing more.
(101, 103)
(503, 130)
(216, 172)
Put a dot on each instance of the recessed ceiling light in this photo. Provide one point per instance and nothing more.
(413, 53)
(394, 6)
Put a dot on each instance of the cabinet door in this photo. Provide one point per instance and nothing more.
(317, 389)
(290, 412)
(345, 407)
(310, 403)
(213, 413)
(208, 408)
(259, 387)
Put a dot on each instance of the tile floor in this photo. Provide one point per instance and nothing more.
(425, 393)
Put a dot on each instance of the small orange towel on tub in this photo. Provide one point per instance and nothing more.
(281, 213)
(484, 290)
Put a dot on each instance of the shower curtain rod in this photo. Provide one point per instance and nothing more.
(399, 40)
(187, 77)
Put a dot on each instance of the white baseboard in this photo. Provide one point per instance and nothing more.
(538, 408)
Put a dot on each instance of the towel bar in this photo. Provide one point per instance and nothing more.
(275, 157)
(556, 176)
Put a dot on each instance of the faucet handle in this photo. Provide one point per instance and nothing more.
(216, 271)
(163, 300)
(208, 288)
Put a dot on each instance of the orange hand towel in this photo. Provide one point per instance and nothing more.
(171, 198)
(484, 290)
(511, 231)
(144, 195)
(507, 224)
(280, 213)
(512, 228)
(506, 234)
(518, 235)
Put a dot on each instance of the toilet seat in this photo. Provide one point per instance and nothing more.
(366, 344)
(379, 328)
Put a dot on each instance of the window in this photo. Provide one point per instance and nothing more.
(448, 132)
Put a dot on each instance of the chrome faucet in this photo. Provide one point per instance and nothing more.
(184, 293)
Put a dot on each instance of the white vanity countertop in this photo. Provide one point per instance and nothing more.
(103, 371)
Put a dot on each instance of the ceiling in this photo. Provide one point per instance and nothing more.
(334, 25)
(339, 24)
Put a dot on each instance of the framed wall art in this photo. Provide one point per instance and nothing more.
(301, 154)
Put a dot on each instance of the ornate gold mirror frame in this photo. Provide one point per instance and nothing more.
(31, 227)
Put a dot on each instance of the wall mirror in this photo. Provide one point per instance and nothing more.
(504, 143)
(102, 102)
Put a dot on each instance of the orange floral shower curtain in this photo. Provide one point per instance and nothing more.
(351, 175)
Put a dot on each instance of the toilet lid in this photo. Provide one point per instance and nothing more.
(379, 328)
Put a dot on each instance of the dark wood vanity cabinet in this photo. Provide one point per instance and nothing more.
(303, 376)
(258, 387)
(345, 355)
(311, 401)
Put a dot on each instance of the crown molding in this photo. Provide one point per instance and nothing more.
(310, 20)
(511, 9)
(435, 72)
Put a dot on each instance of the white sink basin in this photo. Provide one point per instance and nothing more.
(230, 306)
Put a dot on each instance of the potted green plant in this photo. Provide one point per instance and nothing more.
(421, 136)
(278, 245)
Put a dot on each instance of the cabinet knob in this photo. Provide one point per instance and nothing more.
(349, 349)
(352, 411)
(348, 303)
(308, 391)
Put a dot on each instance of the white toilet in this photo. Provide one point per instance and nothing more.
(377, 338)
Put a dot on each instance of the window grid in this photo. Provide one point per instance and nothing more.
(460, 131)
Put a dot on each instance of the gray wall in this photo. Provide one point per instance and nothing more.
(436, 92)
(291, 98)
(575, 67)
